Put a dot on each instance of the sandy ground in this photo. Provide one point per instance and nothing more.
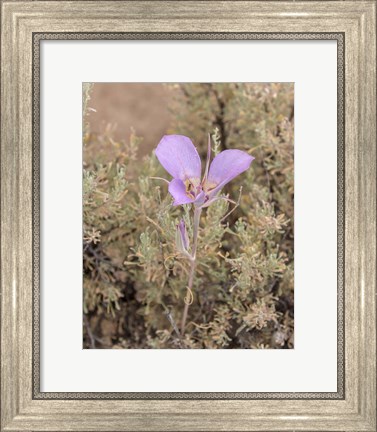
(128, 105)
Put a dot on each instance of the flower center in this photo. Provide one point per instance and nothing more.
(192, 187)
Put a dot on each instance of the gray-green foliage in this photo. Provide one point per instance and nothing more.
(134, 277)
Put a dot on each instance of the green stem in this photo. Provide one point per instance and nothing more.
(188, 298)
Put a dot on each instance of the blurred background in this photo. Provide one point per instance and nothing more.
(134, 278)
(143, 107)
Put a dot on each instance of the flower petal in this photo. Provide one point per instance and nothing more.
(200, 198)
(178, 155)
(226, 166)
(178, 190)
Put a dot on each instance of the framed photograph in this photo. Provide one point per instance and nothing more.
(188, 215)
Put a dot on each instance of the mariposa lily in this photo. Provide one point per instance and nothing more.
(178, 155)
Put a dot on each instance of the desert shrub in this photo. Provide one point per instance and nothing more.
(135, 278)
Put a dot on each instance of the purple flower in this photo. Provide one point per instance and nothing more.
(178, 155)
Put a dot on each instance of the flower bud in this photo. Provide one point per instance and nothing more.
(181, 238)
